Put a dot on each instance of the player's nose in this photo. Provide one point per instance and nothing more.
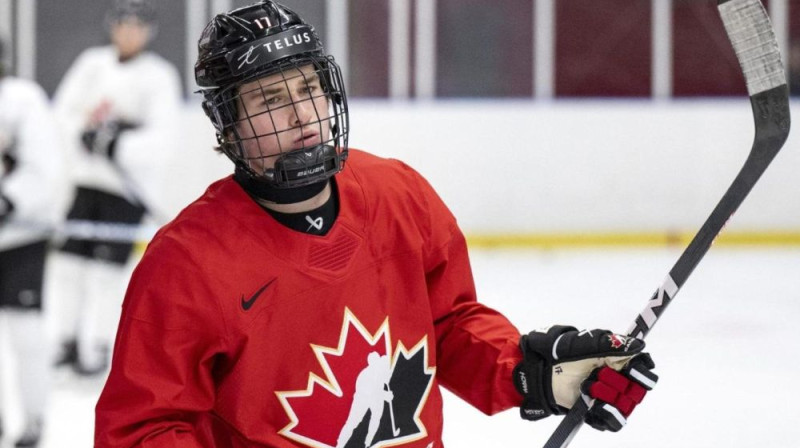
(304, 111)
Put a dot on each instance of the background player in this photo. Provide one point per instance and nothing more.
(118, 107)
(30, 187)
(274, 286)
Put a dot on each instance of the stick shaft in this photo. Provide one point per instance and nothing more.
(750, 32)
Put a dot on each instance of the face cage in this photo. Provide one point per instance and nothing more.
(294, 122)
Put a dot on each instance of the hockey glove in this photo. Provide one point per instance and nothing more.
(7, 152)
(102, 139)
(6, 208)
(9, 163)
(557, 360)
(618, 393)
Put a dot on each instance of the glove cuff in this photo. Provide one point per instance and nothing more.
(640, 369)
(533, 379)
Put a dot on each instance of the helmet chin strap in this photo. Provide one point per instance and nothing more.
(267, 192)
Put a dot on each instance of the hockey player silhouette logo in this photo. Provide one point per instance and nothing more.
(372, 390)
(368, 396)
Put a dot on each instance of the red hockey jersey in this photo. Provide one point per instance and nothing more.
(239, 332)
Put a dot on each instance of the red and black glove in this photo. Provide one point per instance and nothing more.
(557, 362)
(618, 393)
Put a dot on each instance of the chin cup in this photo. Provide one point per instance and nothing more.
(305, 166)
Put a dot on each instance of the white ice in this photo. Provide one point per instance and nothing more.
(725, 349)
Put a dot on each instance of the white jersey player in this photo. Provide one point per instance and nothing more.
(118, 108)
(30, 183)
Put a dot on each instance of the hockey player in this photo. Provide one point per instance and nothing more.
(30, 183)
(118, 107)
(260, 315)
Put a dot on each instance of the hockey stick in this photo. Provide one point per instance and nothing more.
(750, 32)
(395, 429)
(88, 230)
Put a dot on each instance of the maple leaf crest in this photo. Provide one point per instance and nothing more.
(616, 340)
(328, 413)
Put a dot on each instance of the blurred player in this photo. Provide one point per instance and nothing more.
(302, 302)
(118, 106)
(30, 183)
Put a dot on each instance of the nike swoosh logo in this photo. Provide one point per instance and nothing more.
(247, 304)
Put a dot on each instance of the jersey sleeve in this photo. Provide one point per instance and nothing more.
(35, 184)
(146, 153)
(171, 334)
(477, 347)
(69, 98)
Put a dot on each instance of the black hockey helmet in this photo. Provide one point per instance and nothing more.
(269, 47)
(143, 10)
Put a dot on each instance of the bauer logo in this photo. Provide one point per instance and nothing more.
(310, 171)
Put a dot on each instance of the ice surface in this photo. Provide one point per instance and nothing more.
(727, 349)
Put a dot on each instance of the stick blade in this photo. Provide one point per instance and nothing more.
(753, 39)
(750, 32)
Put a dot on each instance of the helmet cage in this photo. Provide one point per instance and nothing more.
(279, 155)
